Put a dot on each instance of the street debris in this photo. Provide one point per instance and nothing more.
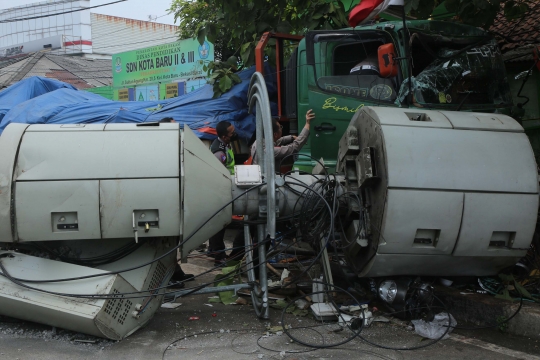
(170, 305)
(301, 304)
(436, 328)
(241, 301)
(192, 318)
(324, 311)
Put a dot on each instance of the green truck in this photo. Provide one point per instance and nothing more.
(452, 67)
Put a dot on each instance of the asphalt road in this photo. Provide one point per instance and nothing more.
(236, 333)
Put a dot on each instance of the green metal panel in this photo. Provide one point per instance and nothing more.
(331, 96)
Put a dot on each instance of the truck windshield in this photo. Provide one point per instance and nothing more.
(346, 64)
(475, 76)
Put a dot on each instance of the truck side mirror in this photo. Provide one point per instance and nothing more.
(388, 66)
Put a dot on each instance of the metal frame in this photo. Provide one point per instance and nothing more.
(259, 102)
(259, 59)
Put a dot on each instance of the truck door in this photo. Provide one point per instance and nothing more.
(344, 78)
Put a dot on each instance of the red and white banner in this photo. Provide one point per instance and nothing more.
(368, 9)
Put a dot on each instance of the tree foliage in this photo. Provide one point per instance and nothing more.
(481, 13)
(234, 27)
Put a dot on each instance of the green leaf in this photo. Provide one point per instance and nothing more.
(236, 79)
(426, 9)
(504, 296)
(341, 18)
(414, 4)
(225, 83)
(509, 5)
(279, 304)
(251, 28)
(244, 47)
(284, 27)
(201, 35)
(262, 27)
(452, 5)
(524, 292)
(275, 329)
(246, 54)
(232, 265)
(233, 61)
(290, 309)
(300, 312)
(314, 24)
(408, 7)
(227, 297)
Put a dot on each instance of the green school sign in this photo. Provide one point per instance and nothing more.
(162, 63)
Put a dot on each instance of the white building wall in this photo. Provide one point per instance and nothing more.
(112, 34)
(74, 26)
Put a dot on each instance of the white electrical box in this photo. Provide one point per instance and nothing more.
(247, 175)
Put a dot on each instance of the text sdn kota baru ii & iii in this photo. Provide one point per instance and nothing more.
(154, 63)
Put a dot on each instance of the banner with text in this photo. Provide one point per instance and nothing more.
(183, 59)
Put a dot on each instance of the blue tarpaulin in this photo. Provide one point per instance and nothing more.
(66, 105)
(26, 90)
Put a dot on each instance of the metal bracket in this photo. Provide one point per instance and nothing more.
(135, 230)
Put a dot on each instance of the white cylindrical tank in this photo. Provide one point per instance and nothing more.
(94, 189)
(447, 193)
(108, 181)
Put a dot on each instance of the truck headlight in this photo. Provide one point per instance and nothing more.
(388, 291)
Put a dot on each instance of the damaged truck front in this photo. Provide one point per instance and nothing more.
(416, 119)
(453, 67)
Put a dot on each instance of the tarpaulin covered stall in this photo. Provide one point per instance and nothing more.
(44, 101)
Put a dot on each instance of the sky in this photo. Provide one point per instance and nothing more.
(133, 9)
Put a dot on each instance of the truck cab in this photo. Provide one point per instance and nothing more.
(337, 72)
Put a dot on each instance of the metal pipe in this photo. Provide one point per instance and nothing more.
(263, 278)
(259, 97)
(249, 257)
(286, 197)
(211, 290)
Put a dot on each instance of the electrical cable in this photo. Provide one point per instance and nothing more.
(59, 13)
(122, 295)
(356, 332)
(195, 335)
(305, 270)
(448, 327)
(94, 261)
(298, 277)
(305, 155)
(310, 349)
(493, 326)
(154, 260)
(116, 295)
